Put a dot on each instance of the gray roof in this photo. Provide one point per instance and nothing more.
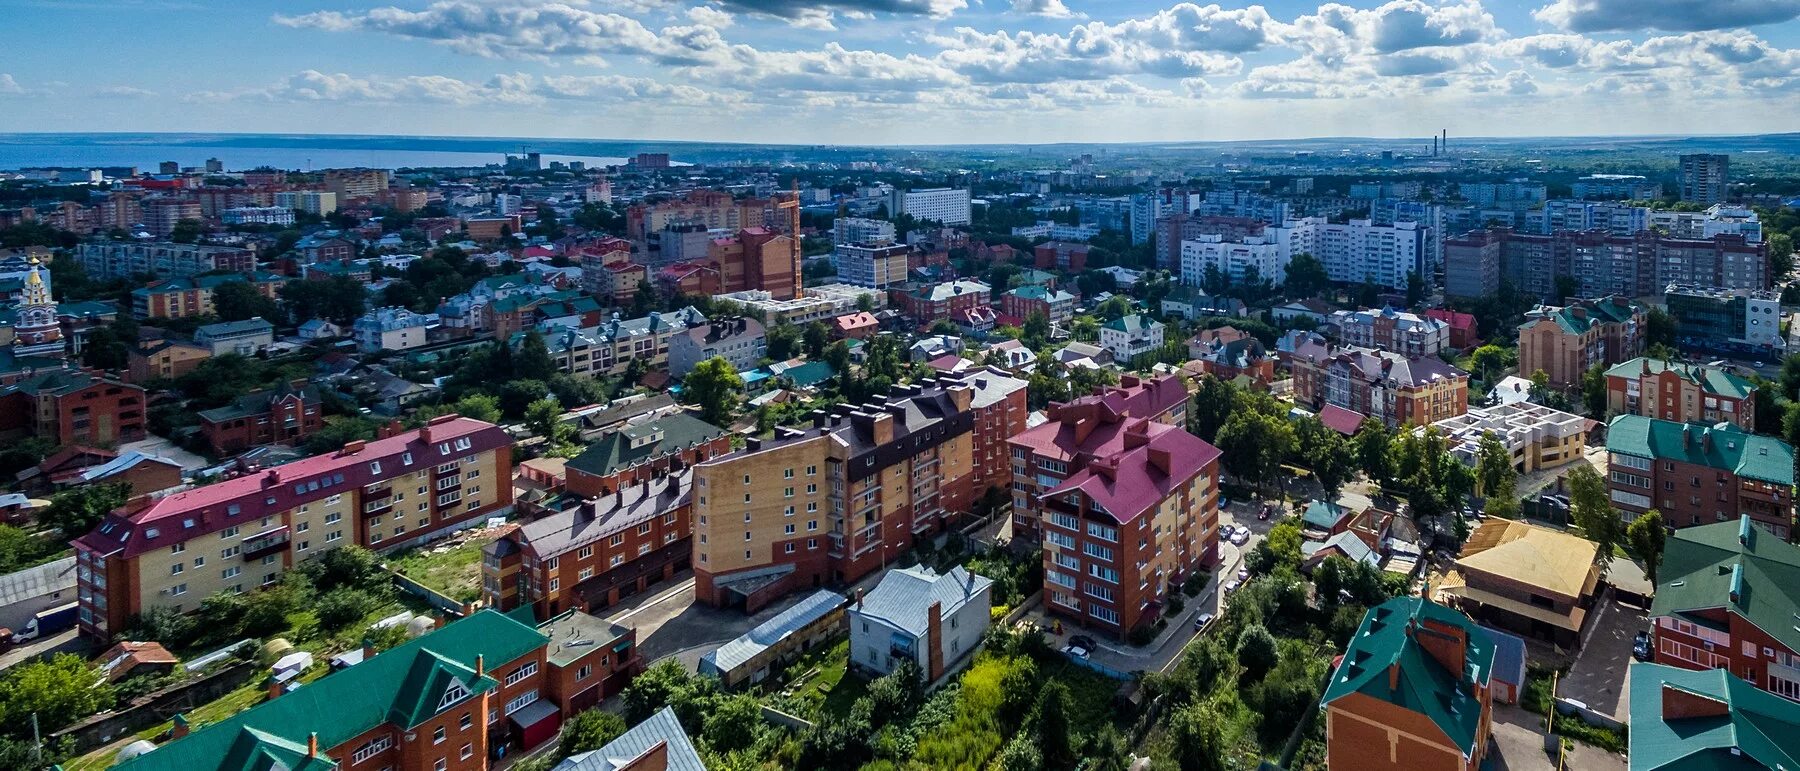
(903, 598)
(246, 326)
(662, 727)
(804, 613)
(48, 578)
(600, 517)
(574, 634)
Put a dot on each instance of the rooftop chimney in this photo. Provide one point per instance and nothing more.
(312, 744)
(1744, 530)
(480, 666)
(354, 447)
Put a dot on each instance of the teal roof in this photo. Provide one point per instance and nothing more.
(619, 449)
(1715, 380)
(1423, 686)
(401, 686)
(1747, 728)
(1133, 324)
(1724, 446)
(1736, 567)
(808, 374)
(1323, 515)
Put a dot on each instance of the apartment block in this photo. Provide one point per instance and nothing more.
(595, 551)
(1601, 263)
(1386, 386)
(1705, 178)
(1696, 473)
(1057, 306)
(1041, 455)
(1408, 334)
(242, 533)
(1536, 436)
(1564, 342)
(286, 415)
(871, 265)
(357, 183)
(950, 300)
(832, 502)
(105, 260)
(1702, 617)
(1684, 393)
(713, 209)
(741, 342)
(182, 297)
(1727, 320)
(609, 348)
(948, 206)
(72, 407)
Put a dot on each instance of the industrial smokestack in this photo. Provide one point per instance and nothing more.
(1444, 144)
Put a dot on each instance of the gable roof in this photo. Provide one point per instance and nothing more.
(903, 598)
(1714, 380)
(662, 728)
(1734, 566)
(1423, 685)
(800, 615)
(401, 686)
(1751, 728)
(1723, 446)
(618, 450)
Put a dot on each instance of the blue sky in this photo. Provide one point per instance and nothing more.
(901, 71)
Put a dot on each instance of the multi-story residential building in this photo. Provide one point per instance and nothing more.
(714, 209)
(1684, 393)
(919, 615)
(949, 206)
(1057, 305)
(1696, 473)
(1465, 332)
(595, 551)
(454, 699)
(1041, 455)
(1675, 714)
(872, 265)
(1564, 342)
(257, 215)
(285, 415)
(1407, 334)
(861, 230)
(594, 259)
(1478, 262)
(1176, 227)
(1386, 386)
(1248, 259)
(757, 258)
(124, 259)
(609, 348)
(1534, 581)
(616, 282)
(741, 342)
(392, 329)
(1359, 250)
(1703, 616)
(68, 406)
(163, 358)
(401, 490)
(635, 453)
(1132, 335)
(183, 297)
(327, 246)
(1615, 218)
(162, 215)
(1229, 353)
(357, 183)
(947, 300)
(319, 202)
(1705, 178)
(1412, 692)
(1718, 219)
(1730, 320)
(1065, 256)
(1537, 437)
(1136, 516)
(835, 501)
(1615, 187)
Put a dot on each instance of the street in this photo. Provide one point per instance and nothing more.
(68, 640)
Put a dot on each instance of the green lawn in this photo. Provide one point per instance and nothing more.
(454, 572)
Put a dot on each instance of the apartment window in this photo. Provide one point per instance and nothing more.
(787, 473)
(333, 518)
(812, 525)
(176, 569)
(463, 723)
(441, 765)
(585, 552)
(619, 559)
(467, 750)
(524, 671)
(230, 532)
(178, 548)
(812, 470)
(371, 748)
(334, 535)
(555, 583)
(586, 573)
(811, 489)
(437, 736)
(812, 506)
(788, 548)
(787, 529)
(521, 701)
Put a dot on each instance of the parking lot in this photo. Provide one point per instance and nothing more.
(1598, 677)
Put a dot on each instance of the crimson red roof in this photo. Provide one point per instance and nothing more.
(1129, 482)
(1340, 420)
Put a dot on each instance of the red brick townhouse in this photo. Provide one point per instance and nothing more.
(72, 407)
(637, 453)
(1725, 599)
(243, 533)
(286, 415)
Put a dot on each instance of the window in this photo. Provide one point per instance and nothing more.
(788, 529)
(176, 569)
(178, 590)
(467, 750)
(788, 548)
(584, 552)
(230, 532)
(463, 723)
(524, 671)
(521, 701)
(231, 572)
(437, 736)
(178, 548)
(584, 671)
(441, 765)
(333, 518)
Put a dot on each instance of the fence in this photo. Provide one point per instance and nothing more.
(1587, 714)
(155, 707)
(430, 596)
(777, 717)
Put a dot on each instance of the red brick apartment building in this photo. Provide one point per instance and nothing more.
(1046, 455)
(1060, 255)
(1136, 517)
(72, 407)
(948, 300)
(595, 552)
(450, 700)
(1697, 474)
(837, 500)
(285, 415)
(242, 533)
(1684, 393)
(1704, 617)
(638, 453)
(1387, 386)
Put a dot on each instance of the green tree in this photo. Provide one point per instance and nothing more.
(75, 511)
(1591, 508)
(1494, 473)
(58, 691)
(783, 341)
(1254, 445)
(1645, 538)
(1257, 652)
(239, 300)
(733, 723)
(1116, 307)
(1213, 403)
(533, 360)
(1593, 391)
(339, 430)
(1198, 740)
(541, 417)
(1306, 277)
(1491, 361)
(1055, 739)
(1326, 452)
(1036, 332)
(818, 336)
(1659, 327)
(1371, 444)
(1415, 289)
(587, 731)
(713, 385)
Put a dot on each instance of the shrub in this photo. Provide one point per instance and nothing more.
(1257, 652)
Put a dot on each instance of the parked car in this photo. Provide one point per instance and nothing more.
(1241, 537)
(1243, 575)
(1083, 641)
(1075, 651)
(1268, 510)
(1231, 586)
(1201, 621)
(1640, 646)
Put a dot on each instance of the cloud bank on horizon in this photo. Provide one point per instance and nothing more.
(964, 70)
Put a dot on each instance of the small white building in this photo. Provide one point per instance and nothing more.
(933, 620)
(392, 329)
(1130, 336)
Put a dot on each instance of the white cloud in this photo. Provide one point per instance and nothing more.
(537, 30)
(125, 92)
(1051, 8)
(1669, 15)
(709, 16)
(9, 86)
(506, 89)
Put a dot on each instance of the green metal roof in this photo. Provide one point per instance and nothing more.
(1752, 728)
(401, 686)
(1701, 565)
(1715, 380)
(1723, 446)
(614, 452)
(1423, 686)
(1133, 324)
(1323, 515)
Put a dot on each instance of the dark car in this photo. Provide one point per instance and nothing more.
(1083, 641)
(1640, 646)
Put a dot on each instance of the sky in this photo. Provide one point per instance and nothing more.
(902, 71)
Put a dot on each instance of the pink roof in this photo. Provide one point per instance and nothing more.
(858, 320)
(1453, 318)
(1130, 481)
(189, 513)
(1340, 420)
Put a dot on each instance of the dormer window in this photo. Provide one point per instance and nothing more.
(453, 694)
(152, 533)
(233, 510)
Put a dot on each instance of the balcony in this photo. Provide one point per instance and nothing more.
(263, 544)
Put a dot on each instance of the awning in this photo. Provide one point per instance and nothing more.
(533, 713)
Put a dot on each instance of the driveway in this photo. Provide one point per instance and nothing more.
(1598, 677)
(1519, 746)
(66, 641)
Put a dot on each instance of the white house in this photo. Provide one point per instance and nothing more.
(1130, 336)
(392, 329)
(899, 618)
